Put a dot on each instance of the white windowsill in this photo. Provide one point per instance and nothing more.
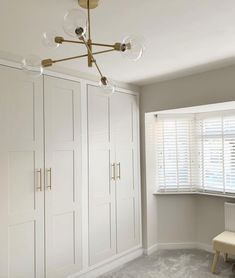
(231, 196)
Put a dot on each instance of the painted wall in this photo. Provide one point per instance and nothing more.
(182, 218)
(176, 219)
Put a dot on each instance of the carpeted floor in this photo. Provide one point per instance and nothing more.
(173, 264)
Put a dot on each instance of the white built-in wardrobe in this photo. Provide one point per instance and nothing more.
(69, 176)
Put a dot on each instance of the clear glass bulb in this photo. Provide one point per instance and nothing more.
(132, 48)
(48, 39)
(75, 23)
(32, 65)
(107, 85)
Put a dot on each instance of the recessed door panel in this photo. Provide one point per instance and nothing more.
(102, 226)
(63, 176)
(125, 171)
(63, 241)
(123, 107)
(102, 229)
(21, 110)
(62, 113)
(100, 166)
(126, 223)
(21, 170)
(22, 252)
(22, 181)
(98, 117)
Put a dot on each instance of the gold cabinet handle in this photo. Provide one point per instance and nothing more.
(119, 170)
(49, 185)
(113, 171)
(39, 179)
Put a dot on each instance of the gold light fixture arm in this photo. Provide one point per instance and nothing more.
(49, 62)
(89, 41)
(61, 40)
(116, 46)
(69, 58)
(89, 19)
(104, 51)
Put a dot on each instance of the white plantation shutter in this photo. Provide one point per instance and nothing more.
(229, 153)
(175, 154)
(195, 152)
(150, 139)
(216, 140)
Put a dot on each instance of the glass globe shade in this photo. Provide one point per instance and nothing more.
(32, 65)
(132, 48)
(48, 39)
(75, 23)
(107, 85)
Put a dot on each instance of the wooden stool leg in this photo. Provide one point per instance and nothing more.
(215, 261)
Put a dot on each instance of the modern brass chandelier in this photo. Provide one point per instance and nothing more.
(78, 26)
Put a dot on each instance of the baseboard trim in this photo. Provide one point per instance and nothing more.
(151, 250)
(104, 267)
(178, 245)
(205, 247)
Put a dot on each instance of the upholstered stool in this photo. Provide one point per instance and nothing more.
(223, 243)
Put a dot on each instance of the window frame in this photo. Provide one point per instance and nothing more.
(197, 189)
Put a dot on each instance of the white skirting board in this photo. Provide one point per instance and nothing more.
(180, 245)
(109, 265)
(205, 247)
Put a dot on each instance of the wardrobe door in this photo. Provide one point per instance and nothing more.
(102, 229)
(21, 183)
(62, 176)
(124, 127)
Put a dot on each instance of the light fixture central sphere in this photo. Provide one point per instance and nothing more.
(93, 4)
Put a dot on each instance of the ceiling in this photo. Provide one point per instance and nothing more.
(181, 36)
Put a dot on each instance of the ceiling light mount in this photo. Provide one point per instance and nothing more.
(78, 26)
(92, 5)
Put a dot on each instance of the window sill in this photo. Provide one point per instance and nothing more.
(230, 196)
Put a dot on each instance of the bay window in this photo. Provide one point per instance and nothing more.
(195, 152)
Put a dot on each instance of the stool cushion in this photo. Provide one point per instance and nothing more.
(225, 243)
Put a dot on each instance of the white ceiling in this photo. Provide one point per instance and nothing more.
(182, 36)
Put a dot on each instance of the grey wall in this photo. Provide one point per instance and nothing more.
(169, 219)
(176, 219)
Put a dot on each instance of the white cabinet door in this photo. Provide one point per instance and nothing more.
(62, 176)
(102, 229)
(21, 156)
(124, 128)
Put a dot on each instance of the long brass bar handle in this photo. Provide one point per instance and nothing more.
(49, 185)
(113, 171)
(119, 170)
(39, 179)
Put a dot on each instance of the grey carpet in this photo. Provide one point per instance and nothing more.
(173, 264)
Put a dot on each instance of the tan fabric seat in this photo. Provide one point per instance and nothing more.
(224, 243)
